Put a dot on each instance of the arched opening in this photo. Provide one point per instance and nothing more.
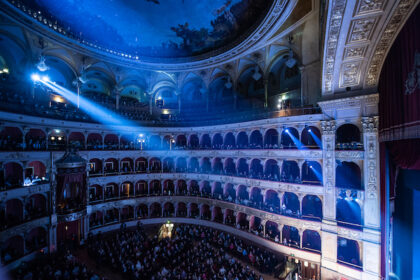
(256, 226)
(13, 175)
(241, 221)
(230, 219)
(348, 176)
(348, 137)
(250, 88)
(217, 214)
(256, 197)
(168, 210)
(291, 204)
(290, 172)
(256, 140)
(141, 165)
(271, 139)
(35, 173)
(272, 170)
(181, 165)
(194, 188)
(311, 173)
(57, 140)
(348, 213)
(13, 212)
(272, 231)
(127, 189)
(311, 138)
(155, 165)
(11, 139)
(155, 142)
(272, 202)
(36, 207)
(230, 168)
(168, 187)
(205, 142)
(95, 166)
(155, 187)
(35, 140)
(311, 240)
(194, 211)
(76, 140)
(348, 252)
(229, 193)
(181, 142)
(96, 219)
(242, 140)
(243, 170)
(242, 194)
(217, 191)
(194, 142)
(182, 210)
(155, 210)
(205, 189)
(127, 142)
(256, 169)
(126, 165)
(182, 187)
(312, 207)
(127, 213)
(193, 166)
(291, 236)
(142, 211)
(229, 142)
(290, 138)
(167, 142)
(205, 212)
(168, 165)
(94, 141)
(111, 216)
(111, 166)
(217, 141)
(111, 142)
(95, 193)
(111, 191)
(217, 166)
(206, 165)
(141, 188)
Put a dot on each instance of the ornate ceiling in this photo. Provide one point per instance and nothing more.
(358, 37)
(151, 34)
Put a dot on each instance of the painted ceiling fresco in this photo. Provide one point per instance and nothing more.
(156, 28)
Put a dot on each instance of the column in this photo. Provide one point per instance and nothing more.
(117, 99)
(371, 246)
(265, 93)
(179, 104)
(303, 84)
(329, 224)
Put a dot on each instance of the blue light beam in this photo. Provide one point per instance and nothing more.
(316, 139)
(94, 110)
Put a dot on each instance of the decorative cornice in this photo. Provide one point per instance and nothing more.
(336, 13)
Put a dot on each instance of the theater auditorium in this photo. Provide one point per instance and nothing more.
(210, 139)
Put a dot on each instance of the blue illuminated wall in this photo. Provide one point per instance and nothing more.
(406, 239)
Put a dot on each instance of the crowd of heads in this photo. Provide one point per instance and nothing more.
(193, 252)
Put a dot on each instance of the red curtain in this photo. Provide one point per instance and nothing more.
(399, 85)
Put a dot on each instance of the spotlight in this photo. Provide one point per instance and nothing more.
(309, 130)
(141, 135)
(35, 77)
(45, 78)
(286, 130)
(310, 166)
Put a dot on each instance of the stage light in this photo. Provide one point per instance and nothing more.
(141, 135)
(35, 77)
(309, 130)
(310, 166)
(57, 131)
(286, 130)
(45, 78)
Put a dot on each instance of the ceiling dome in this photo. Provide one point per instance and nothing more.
(153, 29)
